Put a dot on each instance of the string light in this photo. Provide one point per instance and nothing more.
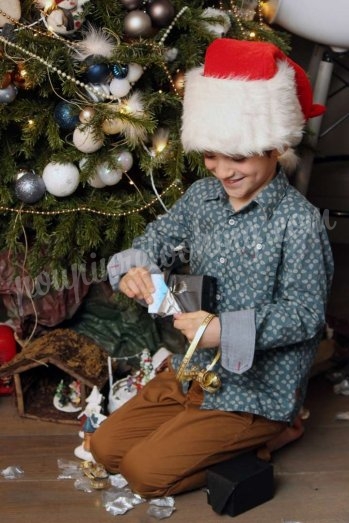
(160, 139)
(84, 208)
(237, 16)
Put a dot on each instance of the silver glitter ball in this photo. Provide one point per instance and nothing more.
(30, 188)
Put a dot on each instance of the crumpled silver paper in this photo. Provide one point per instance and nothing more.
(164, 303)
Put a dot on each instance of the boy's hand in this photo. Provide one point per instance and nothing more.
(189, 322)
(137, 284)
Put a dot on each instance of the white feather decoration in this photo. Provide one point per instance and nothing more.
(95, 42)
(133, 105)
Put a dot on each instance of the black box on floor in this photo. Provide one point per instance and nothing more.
(239, 484)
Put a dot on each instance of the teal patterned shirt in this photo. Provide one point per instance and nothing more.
(273, 265)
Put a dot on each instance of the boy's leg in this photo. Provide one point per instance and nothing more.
(174, 458)
(160, 400)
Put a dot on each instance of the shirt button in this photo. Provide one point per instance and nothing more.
(218, 297)
(231, 221)
(222, 260)
(259, 246)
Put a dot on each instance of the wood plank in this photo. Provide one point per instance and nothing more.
(311, 476)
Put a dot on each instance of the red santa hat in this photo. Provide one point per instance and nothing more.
(247, 98)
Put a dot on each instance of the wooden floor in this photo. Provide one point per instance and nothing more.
(311, 475)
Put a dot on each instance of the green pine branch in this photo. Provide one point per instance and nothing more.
(57, 233)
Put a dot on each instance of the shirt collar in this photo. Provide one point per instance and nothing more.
(268, 199)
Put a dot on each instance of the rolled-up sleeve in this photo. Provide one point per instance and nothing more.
(238, 340)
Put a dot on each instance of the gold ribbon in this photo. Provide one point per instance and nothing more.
(207, 379)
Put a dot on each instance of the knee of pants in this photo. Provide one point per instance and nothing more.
(142, 475)
(104, 452)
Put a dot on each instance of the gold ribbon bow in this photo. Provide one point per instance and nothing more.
(207, 379)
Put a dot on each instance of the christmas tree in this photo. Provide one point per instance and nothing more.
(90, 106)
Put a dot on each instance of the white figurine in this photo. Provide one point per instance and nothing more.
(67, 17)
(93, 417)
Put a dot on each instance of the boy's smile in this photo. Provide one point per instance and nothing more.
(242, 178)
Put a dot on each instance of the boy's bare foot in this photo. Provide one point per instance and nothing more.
(288, 435)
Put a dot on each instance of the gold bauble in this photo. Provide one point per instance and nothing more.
(86, 115)
(178, 82)
(112, 126)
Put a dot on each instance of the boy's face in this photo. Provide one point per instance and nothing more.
(242, 178)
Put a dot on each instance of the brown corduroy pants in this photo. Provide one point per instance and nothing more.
(162, 442)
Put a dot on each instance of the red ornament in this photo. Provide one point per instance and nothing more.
(6, 80)
(7, 352)
(20, 77)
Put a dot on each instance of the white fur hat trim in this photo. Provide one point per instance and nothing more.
(238, 116)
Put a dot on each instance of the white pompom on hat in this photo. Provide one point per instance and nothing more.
(247, 98)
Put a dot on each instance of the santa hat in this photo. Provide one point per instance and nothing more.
(247, 98)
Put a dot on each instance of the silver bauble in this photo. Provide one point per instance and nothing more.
(161, 12)
(29, 187)
(131, 4)
(8, 94)
(137, 23)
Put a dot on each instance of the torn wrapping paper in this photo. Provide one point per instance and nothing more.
(164, 303)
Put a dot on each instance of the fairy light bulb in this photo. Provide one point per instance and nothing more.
(49, 5)
(268, 10)
(160, 140)
(125, 108)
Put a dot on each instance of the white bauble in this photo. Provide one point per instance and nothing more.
(170, 54)
(85, 140)
(108, 175)
(94, 180)
(125, 160)
(61, 179)
(13, 9)
(135, 71)
(119, 87)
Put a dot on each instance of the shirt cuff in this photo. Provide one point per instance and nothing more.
(123, 261)
(238, 337)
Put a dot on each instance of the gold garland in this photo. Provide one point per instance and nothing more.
(235, 11)
(83, 208)
(59, 72)
(36, 31)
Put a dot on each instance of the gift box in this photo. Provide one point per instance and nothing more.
(239, 484)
